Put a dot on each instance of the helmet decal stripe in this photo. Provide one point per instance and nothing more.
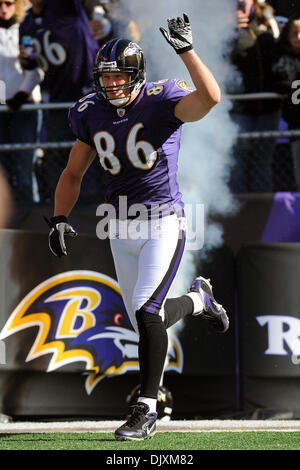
(113, 52)
(106, 48)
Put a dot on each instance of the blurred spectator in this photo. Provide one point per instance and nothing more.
(65, 48)
(19, 87)
(253, 53)
(285, 8)
(5, 198)
(122, 22)
(287, 72)
(99, 21)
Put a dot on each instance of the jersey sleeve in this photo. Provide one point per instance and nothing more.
(78, 125)
(174, 91)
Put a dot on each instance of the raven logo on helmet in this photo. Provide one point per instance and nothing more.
(132, 48)
(81, 318)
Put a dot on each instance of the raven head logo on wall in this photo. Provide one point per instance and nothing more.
(81, 318)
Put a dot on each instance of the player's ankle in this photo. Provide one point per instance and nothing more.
(151, 402)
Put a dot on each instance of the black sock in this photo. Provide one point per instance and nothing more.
(176, 309)
(153, 347)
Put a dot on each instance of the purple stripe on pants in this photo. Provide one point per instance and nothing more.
(165, 285)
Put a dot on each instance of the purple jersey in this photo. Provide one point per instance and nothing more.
(64, 48)
(138, 149)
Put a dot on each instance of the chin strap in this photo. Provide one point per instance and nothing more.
(120, 101)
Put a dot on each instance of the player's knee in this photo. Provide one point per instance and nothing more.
(146, 319)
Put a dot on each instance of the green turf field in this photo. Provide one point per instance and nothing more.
(252, 440)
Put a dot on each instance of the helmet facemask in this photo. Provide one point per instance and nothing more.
(133, 85)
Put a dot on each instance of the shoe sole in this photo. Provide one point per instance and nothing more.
(217, 319)
(221, 320)
(127, 438)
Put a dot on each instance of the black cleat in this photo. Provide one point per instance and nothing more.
(213, 311)
(140, 425)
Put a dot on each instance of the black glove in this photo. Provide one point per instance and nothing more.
(60, 227)
(179, 35)
(17, 100)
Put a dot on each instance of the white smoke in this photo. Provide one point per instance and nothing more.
(205, 157)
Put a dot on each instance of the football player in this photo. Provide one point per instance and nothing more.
(134, 126)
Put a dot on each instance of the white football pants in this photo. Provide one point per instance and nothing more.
(146, 255)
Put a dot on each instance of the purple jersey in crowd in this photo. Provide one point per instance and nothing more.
(65, 48)
(137, 145)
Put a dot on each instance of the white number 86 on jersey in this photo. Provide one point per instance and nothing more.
(141, 154)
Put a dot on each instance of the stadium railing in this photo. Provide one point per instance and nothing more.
(283, 178)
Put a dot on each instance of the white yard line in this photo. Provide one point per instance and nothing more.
(163, 426)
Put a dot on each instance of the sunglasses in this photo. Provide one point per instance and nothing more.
(7, 4)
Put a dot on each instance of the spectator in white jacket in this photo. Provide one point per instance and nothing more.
(17, 86)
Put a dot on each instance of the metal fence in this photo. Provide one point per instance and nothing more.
(48, 156)
(264, 160)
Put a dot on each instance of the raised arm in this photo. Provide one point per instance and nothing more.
(207, 93)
